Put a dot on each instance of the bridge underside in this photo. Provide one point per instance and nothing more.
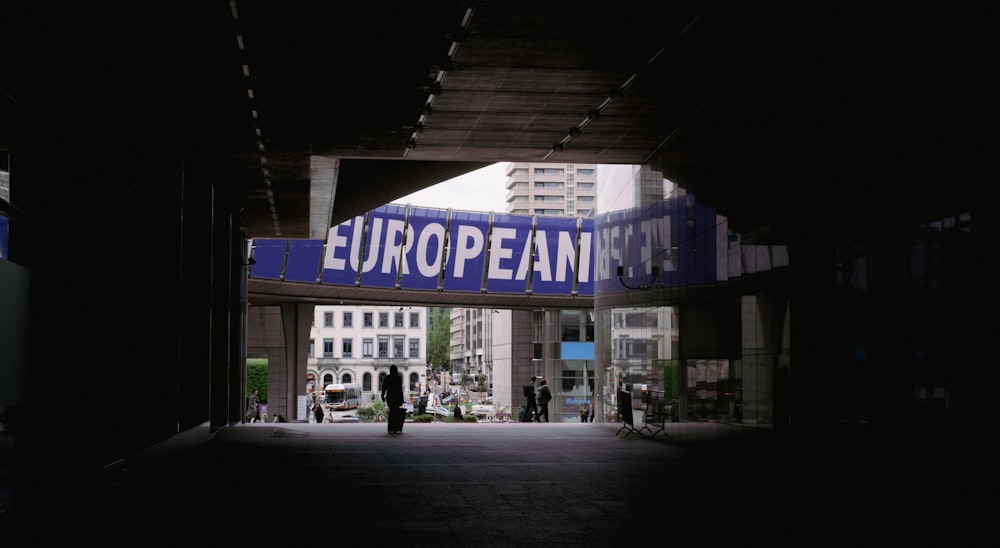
(269, 292)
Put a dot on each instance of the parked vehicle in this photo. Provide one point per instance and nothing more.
(341, 397)
(484, 412)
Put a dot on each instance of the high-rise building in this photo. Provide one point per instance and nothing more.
(551, 189)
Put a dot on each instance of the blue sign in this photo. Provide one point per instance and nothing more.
(429, 249)
(466, 257)
(671, 243)
(512, 252)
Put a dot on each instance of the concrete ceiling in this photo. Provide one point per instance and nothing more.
(323, 110)
(404, 95)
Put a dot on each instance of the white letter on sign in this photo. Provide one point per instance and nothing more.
(498, 251)
(468, 246)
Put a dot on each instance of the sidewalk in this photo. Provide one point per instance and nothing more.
(478, 484)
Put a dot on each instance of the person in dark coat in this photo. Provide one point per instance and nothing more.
(392, 395)
(543, 397)
(318, 412)
(530, 406)
(253, 407)
(458, 413)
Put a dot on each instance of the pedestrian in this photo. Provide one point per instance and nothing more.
(530, 407)
(583, 413)
(458, 413)
(253, 407)
(392, 395)
(543, 397)
(318, 412)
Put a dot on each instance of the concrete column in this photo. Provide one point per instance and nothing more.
(296, 321)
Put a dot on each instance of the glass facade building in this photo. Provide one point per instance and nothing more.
(689, 308)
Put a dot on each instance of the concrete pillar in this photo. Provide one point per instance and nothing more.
(296, 322)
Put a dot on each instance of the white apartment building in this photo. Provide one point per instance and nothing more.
(357, 344)
(551, 189)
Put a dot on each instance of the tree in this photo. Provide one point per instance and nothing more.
(257, 377)
(439, 337)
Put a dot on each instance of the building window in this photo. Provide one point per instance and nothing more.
(312, 348)
(327, 348)
(571, 322)
(366, 382)
(367, 348)
(346, 378)
(383, 319)
(397, 346)
(548, 171)
(369, 320)
(348, 319)
(414, 348)
(328, 319)
(414, 319)
(346, 348)
(397, 319)
(627, 348)
(383, 347)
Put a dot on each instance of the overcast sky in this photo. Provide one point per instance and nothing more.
(480, 190)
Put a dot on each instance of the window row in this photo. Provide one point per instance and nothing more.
(400, 347)
(368, 319)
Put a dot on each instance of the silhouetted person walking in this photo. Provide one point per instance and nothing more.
(392, 395)
(253, 407)
(530, 407)
(544, 396)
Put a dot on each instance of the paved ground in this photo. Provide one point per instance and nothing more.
(498, 484)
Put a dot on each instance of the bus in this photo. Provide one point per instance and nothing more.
(341, 397)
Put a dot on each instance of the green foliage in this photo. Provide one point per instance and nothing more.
(670, 381)
(376, 411)
(427, 417)
(439, 337)
(257, 378)
(466, 381)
